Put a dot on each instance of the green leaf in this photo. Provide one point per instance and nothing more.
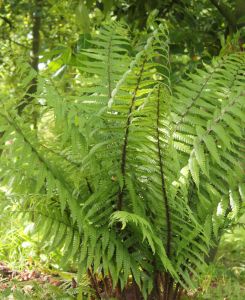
(222, 135)
(200, 156)
(210, 144)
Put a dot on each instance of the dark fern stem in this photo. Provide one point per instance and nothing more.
(125, 144)
(168, 279)
(165, 198)
(94, 284)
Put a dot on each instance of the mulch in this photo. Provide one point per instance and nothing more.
(9, 277)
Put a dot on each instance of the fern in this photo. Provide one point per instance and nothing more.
(128, 149)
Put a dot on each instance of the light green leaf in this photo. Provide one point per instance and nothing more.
(194, 169)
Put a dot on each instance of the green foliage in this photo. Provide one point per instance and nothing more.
(126, 149)
(225, 278)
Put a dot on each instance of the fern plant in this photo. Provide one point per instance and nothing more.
(134, 180)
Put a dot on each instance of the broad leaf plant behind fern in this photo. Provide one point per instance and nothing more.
(135, 182)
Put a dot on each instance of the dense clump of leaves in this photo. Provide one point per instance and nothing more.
(135, 182)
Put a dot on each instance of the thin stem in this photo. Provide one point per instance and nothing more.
(125, 144)
(176, 290)
(94, 284)
(164, 192)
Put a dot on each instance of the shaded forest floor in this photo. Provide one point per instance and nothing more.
(46, 284)
(35, 284)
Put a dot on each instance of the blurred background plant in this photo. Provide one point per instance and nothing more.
(225, 278)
